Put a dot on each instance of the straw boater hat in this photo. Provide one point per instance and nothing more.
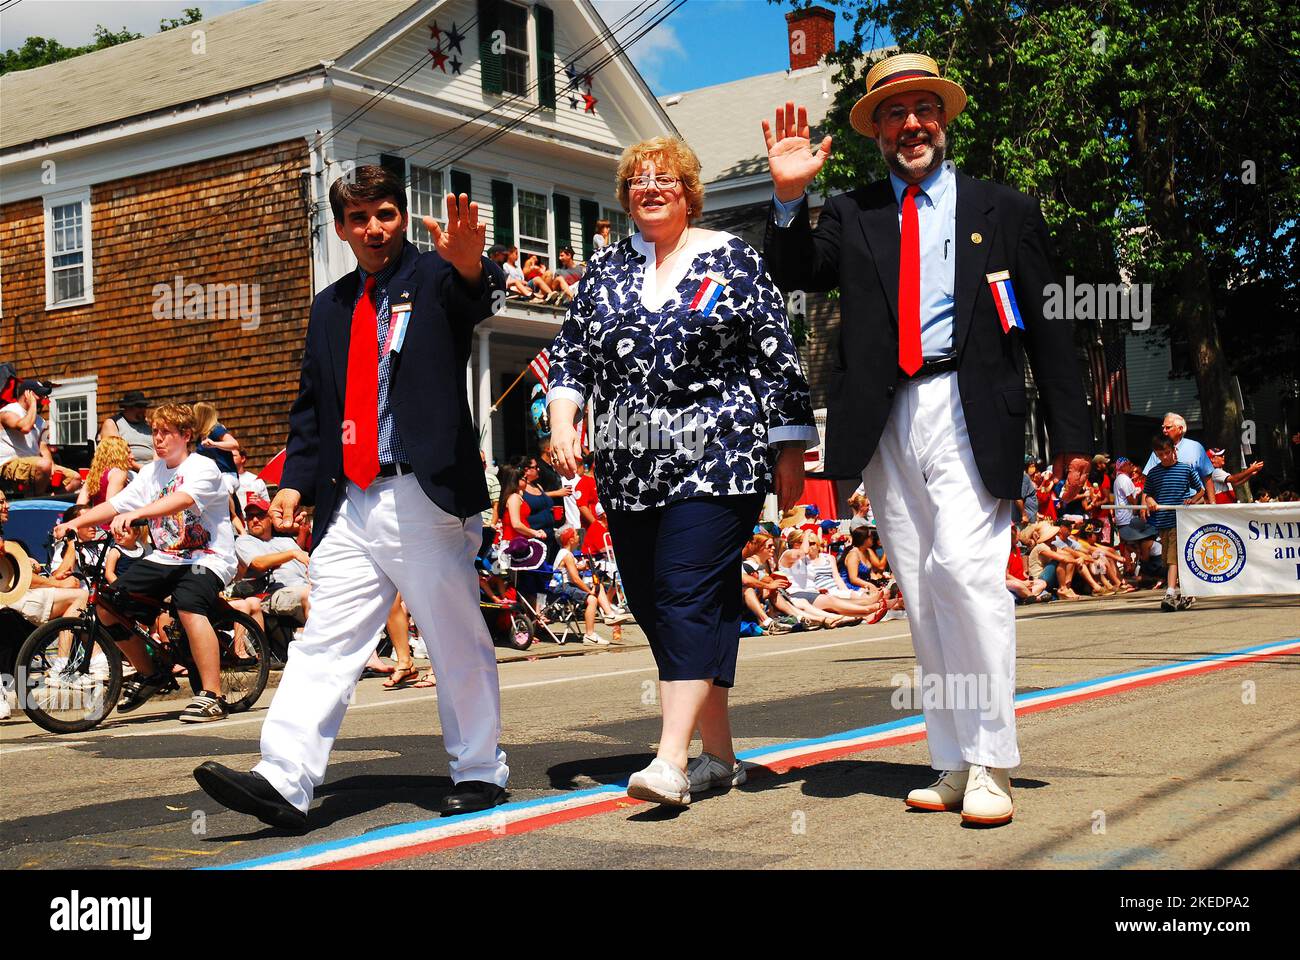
(900, 74)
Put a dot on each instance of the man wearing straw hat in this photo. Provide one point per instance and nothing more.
(941, 281)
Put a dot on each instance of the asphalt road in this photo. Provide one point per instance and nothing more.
(1195, 771)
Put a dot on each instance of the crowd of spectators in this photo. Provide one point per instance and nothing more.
(534, 280)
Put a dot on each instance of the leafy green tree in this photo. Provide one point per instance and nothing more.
(39, 51)
(1159, 138)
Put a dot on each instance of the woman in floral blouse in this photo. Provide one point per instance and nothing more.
(678, 339)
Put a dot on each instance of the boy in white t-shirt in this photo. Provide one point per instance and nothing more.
(182, 497)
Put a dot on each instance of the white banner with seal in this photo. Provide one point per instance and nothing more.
(1239, 549)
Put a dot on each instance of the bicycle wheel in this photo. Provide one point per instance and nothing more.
(68, 675)
(245, 660)
(521, 632)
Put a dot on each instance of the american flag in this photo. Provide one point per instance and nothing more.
(1109, 375)
(541, 367)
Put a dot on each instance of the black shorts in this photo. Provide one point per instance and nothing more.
(193, 589)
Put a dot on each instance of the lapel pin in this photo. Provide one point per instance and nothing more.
(406, 294)
(976, 238)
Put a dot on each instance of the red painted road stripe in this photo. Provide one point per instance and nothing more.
(464, 839)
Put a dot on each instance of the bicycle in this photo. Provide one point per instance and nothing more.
(64, 688)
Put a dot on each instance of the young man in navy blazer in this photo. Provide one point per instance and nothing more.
(942, 281)
(382, 444)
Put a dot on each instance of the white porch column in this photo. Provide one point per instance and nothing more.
(485, 393)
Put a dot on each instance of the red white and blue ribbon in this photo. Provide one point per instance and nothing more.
(706, 297)
(1005, 300)
(397, 323)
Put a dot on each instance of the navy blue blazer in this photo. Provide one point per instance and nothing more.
(427, 388)
(855, 248)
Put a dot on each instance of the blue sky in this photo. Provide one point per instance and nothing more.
(704, 43)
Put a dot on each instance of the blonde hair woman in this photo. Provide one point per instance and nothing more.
(214, 441)
(110, 471)
(681, 327)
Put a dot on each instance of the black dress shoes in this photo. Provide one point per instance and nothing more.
(470, 795)
(249, 793)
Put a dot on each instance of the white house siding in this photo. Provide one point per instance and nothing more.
(1151, 391)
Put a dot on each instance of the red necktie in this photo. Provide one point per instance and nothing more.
(361, 394)
(909, 286)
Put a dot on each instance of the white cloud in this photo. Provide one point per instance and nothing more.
(73, 23)
(654, 53)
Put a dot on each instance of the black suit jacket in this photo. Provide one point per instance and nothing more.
(427, 388)
(855, 248)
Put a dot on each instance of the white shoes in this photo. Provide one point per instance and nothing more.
(982, 794)
(661, 782)
(707, 772)
(987, 801)
(946, 793)
(594, 640)
(617, 615)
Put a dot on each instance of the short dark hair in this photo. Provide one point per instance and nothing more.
(367, 183)
(1161, 442)
(567, 249)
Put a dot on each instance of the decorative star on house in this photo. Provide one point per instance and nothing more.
(455, 65)
(439, 60)
(586, 79)
(573, 103)
(571, 72)
(591, 103)
(435, 33)
(454, 38)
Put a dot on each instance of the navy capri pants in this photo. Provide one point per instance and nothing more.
(680, 566)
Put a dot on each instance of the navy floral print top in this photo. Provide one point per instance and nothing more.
(692, 375)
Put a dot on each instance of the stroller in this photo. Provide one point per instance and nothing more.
(511, 617)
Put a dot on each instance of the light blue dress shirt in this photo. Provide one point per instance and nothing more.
(936, 215)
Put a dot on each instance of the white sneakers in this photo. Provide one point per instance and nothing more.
(988, 797)
(594, 640)
(944, 794)
(660, 782)
(707, 772)
(982, 794)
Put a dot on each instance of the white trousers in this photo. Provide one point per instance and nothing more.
(947, 539)
(383, 540)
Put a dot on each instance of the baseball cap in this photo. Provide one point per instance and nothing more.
(41, 388)
(811, 510)
(1216, 451)
(257, 503)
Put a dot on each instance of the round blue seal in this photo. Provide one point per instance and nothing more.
(1214, 553)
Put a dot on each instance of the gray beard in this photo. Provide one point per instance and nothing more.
(900, 169)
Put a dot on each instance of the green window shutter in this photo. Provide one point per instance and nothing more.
(503, 212)
(589, 213)
(394, 164)
(490, 64)
(545, 57)
(563, 235)
(460, 183)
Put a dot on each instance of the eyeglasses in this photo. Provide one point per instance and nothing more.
(644, 183)
(925, 111)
